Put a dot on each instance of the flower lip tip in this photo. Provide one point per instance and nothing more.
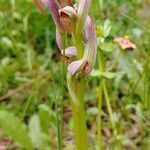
(68, 10)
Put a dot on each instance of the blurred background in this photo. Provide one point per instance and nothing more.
(31, 78)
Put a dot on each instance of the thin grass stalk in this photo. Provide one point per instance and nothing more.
(60, 138)
(109, 108)
(57, 114)
(100, 96)
(99, 136)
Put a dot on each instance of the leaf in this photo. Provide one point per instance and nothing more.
(109, 75)
(16, 129)
(6, 42)
(39, 139)
(46, 117)
(107, 28)
(35, 130)
(92, 111)
(107, 47)
(99, 31)
(95, 73)
(138, 65)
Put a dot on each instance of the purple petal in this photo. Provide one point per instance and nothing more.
(59, 39)
(54, 8)
(70, 51)
(76, 66)
(91, 45)
(89, 29)
(45, 2)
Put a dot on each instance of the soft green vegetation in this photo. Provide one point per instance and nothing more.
(34, 101)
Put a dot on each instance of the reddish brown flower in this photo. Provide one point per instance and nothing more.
(125, 43)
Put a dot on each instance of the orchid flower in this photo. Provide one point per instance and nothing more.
(89, 56)
(67, 18)
(64, 14)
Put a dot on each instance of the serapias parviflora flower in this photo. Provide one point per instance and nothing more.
(62, 16)
(68, 18)
(64, 11)
(88, 60)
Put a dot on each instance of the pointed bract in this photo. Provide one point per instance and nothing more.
(59, 39)
(91, 45)
(82, 12)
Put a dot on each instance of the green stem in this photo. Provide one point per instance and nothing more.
(99, 136)
(77, 38)
(101, 69)
(109, 107)
(60, 133)
(78, 111)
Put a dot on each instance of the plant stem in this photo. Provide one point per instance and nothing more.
(101, 69)
(78, 111)
(99, 138)
(65, 42)
(103, 89)
(109, 107)
(77, 38)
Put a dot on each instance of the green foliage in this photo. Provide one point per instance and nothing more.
(40, 140)
(15, 129)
